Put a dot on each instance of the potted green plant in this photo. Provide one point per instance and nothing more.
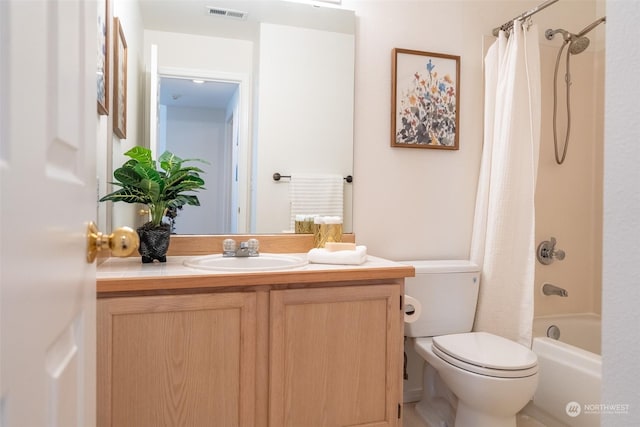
(141, 181)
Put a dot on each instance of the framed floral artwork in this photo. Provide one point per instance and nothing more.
(119, 80)
(102, 73)
(425, 100)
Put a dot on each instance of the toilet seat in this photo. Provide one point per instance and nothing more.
(486, 354)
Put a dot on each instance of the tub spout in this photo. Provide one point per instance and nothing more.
(549, 289)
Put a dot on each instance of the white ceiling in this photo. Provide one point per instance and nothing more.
(191, 16)
(175, 92)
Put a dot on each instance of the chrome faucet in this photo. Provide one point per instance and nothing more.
(243, 250)
(246, 249)
(549, 289)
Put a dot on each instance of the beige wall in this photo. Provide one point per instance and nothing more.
(418, 204)
(322, 90)
(111, 148)
(569, 196)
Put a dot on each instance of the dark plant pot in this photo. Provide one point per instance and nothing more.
(154, 242)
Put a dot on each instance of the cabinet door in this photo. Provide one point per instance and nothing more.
(335, 356)
(182, 360)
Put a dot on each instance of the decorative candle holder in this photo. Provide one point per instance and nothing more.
(304, 224)
(324, 233)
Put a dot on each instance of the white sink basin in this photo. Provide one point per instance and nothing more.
(263, 262)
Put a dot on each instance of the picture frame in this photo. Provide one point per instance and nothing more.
(119, 80)
(102, 72)
(425, 100)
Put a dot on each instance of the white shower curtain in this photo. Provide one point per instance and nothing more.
(503, 242)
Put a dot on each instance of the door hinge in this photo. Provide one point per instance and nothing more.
(401, 303)
(399, 411)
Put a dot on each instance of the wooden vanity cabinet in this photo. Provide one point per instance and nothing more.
(335, 357)
(179, 360)
(278, 357)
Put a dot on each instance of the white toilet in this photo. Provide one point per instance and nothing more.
(475, 378)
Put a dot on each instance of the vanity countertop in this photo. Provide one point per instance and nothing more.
(122, 276)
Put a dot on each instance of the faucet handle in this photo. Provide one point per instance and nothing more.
(547, 252)
(228, 247)
(253, 246)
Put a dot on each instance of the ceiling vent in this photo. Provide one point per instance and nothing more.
(227, 13)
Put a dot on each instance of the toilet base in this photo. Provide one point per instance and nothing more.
(467, 416)
(482, 401)
(437, 407)
(435, 413)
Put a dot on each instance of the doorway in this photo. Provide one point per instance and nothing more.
(198, 118)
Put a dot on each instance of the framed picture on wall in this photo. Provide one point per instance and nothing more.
(425, 100)
(102, 73)
(120, 80)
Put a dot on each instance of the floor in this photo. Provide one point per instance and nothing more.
(410, 418)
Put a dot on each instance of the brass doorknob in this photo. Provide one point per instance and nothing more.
(122, 242)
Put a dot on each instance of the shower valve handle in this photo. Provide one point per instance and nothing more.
(547, 252)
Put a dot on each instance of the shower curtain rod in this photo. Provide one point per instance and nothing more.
(508, 25)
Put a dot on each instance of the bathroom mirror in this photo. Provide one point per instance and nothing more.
(290, 65)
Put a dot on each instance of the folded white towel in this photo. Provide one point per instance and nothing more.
(352, 257)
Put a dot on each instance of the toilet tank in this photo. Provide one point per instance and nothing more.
(448, 293)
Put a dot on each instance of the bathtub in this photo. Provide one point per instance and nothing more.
(570, 370)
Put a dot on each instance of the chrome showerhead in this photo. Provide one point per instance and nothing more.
(578, 45)
(577, 42)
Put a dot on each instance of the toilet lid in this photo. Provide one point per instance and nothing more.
(486, 351)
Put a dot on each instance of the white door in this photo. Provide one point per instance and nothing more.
(48, 194)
